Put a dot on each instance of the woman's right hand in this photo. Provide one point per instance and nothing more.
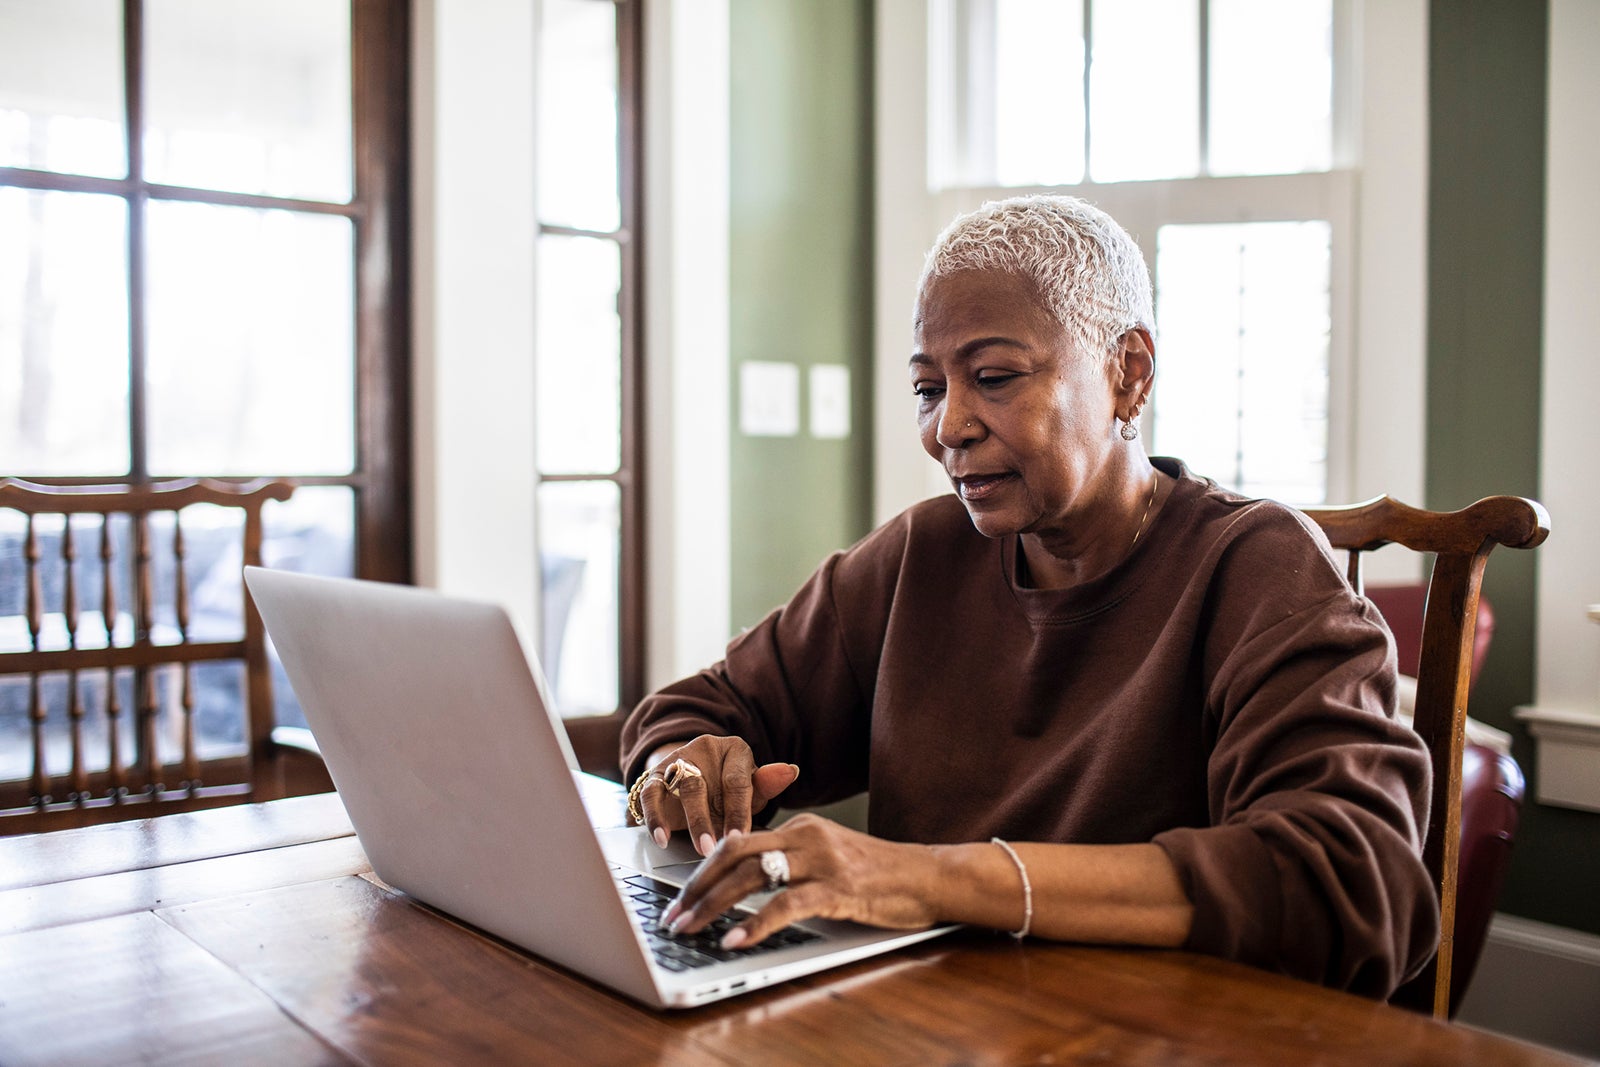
(729, 789)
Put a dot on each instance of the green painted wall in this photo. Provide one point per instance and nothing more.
(801, 278)
(1487, 76)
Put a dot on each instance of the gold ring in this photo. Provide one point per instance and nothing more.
(679, 772)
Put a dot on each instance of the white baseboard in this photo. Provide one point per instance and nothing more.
(1537, 982)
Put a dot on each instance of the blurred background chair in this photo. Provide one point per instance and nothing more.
(1477, 791)
(134, 675)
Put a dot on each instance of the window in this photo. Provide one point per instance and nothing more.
(1210, 129)
(586, 364)
(203, 269)
(1248, 302)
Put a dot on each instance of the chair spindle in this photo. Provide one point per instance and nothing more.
(116, 777)
(191, 761)
(79, 774)
(40, 781)
(146, 705)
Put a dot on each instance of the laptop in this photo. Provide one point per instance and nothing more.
(440, 735)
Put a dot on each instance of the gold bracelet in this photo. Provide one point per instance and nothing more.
(634, 811)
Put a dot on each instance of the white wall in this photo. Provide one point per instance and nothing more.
(905, 224)
(686, 336)
(472, 293)
(1392, 233)
(1568, 645)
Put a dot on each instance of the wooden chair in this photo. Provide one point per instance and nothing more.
(1492, 786)
(102, 639)
(1461, 542)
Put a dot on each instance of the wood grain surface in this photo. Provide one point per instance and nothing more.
(251, 944)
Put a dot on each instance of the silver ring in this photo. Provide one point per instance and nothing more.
(775, 865)
(677, 773)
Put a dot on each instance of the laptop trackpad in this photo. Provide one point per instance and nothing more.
(630, 846)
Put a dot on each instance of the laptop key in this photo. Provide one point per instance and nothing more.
(649, 898)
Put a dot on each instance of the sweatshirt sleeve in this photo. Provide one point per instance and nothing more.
(786, 686)
(1312, 863)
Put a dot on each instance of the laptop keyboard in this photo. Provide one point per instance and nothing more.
(650, 897)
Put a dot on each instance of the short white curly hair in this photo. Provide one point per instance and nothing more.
(1086, 268)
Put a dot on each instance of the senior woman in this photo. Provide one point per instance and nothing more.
(1095, 697)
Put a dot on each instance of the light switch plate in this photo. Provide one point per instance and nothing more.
(769, 399)
(830, 401)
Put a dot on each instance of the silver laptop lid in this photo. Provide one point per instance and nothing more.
(438, 735)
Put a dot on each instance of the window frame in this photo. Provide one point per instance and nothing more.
(379, 212)
(630, 475)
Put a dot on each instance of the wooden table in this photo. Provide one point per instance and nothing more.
(258, 934)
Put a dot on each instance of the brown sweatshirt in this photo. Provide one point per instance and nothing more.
(1222, 692)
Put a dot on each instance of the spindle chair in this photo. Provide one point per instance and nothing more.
(106, 631)
(1460, 542)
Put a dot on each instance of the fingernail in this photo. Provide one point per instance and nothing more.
(735, 832)
(735, 937)
(660, 835)
(672, 912)
(707, 843)
(676, 924)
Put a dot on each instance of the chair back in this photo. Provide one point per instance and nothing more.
(1402, 607)
(1460, 542)
(126, 606)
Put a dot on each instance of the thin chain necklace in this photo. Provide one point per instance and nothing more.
(1155, 481)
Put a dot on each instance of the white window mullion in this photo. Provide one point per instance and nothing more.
(1204, 95)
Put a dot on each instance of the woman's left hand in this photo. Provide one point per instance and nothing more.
(834, 873)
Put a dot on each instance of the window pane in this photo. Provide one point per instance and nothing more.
(1144, 91)
(63, 334)
(249, 97)
(251, 365)
(578, 361)
(577, 115)
(1271, 86)
(1242, 388)
(313, 532)
(1038, 98)
(61, 99)
(578, 554)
